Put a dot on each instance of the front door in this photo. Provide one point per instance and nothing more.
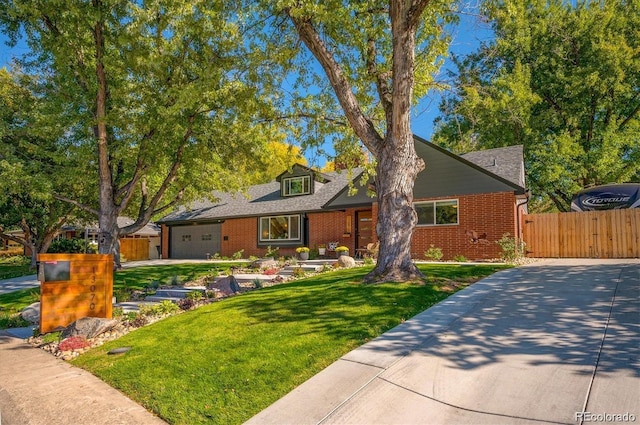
(364, 229)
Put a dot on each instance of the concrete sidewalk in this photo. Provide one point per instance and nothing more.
(37, 388)
(552, 342)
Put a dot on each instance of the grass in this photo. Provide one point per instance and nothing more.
(226, 361)
(16, 266)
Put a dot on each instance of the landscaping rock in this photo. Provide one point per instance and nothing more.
(264, 263)
(346, 261)
(225, 286)
(31, 313)
(89, 327)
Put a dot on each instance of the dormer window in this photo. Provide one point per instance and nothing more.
(298, 185)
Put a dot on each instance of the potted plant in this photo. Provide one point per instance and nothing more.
(342, 250)
(303, 251)
(322, 250)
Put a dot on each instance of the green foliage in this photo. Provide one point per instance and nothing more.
(12, 320)
(433, 253)
(561, 78)
(272, 252)
(257, 283)
(195, 295)
(51, 337)
(298, 272)
(160, 309)
(15, 266)
(175, 280)
(513, 249)
(72, 246)
(342, 249)
(237, 255)
(460, 258)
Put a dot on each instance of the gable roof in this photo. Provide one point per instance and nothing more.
(260, 200)
(505, 162)
(448, 174)
(491, 170)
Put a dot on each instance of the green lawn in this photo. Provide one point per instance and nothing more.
(17, 266)
(225, 362)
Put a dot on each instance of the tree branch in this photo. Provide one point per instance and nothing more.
(384, 92)
(77, 204)
(362, 126)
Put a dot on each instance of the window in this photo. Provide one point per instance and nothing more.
(300, 185)
(437, 212)
(206, 237)
(186, 238)
(280, 228)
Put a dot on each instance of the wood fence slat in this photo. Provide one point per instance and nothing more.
(591, 234)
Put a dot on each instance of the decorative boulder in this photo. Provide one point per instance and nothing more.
(264, 263)
(225, 286)
(89, 327)
(31, 313)
(346, 261)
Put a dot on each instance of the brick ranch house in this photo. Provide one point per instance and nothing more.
(464, 204)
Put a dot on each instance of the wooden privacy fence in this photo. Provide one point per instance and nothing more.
(591, 234)
(134, 249)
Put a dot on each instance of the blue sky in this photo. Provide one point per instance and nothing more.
(467, 37)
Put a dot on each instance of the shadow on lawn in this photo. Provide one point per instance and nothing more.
(551, 314)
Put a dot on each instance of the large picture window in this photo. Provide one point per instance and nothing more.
(300, 185)
(437, 212)
(280, 228)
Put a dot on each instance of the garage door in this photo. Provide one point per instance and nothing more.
(195, 241)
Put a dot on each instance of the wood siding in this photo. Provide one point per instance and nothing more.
(134, 249)
(593, 234)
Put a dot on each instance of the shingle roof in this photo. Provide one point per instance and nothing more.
(505, 162)
(263, 199)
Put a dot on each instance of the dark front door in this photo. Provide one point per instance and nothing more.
(364, 229)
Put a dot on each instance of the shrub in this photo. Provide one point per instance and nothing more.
(186, 304)
(8, 321)
(164, 307)
(270, 272)
(73, 343)
(433, 253)
(195, 295)
(513, 249)
(298, 272)
(174, 281)
(118, 312)
(257, 283)
(14, 257)
(51, 337)
(460, 258)
(272, 252)
(72, 246)
(237, 255)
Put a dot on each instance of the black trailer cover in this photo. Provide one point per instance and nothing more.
(607, 197)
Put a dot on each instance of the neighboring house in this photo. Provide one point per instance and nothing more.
(464, 204)
(141, 245)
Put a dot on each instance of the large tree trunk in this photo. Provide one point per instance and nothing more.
(397, 218)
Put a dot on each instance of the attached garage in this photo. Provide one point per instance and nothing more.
(195, 241)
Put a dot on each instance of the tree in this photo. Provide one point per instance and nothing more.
(379, 57)
(561, 78)
(27, 158)
(158, 100)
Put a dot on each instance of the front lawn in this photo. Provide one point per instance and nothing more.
(15, 266)
(226, 361)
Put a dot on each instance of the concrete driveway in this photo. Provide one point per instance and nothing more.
(552, 342)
